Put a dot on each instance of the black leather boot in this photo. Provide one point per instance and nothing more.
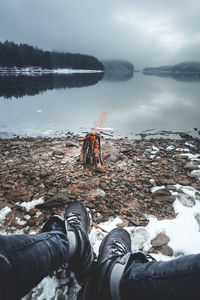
(76, 225)
(114, 254)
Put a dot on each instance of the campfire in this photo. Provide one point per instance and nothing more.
(91, 152)
(91, 155)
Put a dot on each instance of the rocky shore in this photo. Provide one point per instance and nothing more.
(40, 176)
(45, 168)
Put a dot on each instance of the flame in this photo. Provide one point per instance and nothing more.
(92, 134)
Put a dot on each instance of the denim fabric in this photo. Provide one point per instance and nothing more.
(177, 279)
(26, 259)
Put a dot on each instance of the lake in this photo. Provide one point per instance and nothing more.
(140, 104)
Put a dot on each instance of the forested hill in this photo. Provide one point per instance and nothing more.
(23, 55)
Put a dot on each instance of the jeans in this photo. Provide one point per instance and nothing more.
(177, 279)
(26, 259)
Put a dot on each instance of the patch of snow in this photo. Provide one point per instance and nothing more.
(196, 173)
(19, 221)
(183, 231)
(192, 156)
(169, 148)
(189, 190)
(152, 156)
(105, 128)
(155, 149)
(48, 286)
(3, 212)
(152, 180)
(31, 204)
(32, 232)
(156, 188)
(188, 144)
(182, 150)
(154, 152)
(72, 71)
(161, 257)
(139, 237)
(101, 192)
(38, 213)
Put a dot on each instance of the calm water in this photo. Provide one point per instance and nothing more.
(141, 103)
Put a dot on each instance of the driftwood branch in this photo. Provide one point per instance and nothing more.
(98, 227)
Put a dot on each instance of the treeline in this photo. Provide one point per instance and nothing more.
(23, 55)
(185, 71)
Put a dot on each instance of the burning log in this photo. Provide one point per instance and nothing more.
(91, 152)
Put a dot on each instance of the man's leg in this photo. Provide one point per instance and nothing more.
(120, 274)
(175, 279)
(26, 259)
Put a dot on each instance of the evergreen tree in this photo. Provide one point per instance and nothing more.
(23, 55)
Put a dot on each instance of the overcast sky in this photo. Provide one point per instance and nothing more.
(145, 32)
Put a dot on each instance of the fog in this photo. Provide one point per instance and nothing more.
(147, 33)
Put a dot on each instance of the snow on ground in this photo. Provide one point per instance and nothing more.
(196, 173)
(3, 212)
(183, 231)
(31, 204)
(191, 156)
(72, 71)
(156, 188)
(169, 148)
(35, 71)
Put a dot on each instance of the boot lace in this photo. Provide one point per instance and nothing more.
(74, 219)
(118, 248)
(149, 257)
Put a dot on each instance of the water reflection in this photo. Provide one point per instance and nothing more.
(178, 76)
(142, 102)
(22, 85)
(118, 70)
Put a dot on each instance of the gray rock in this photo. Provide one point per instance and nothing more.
(190, 175)
(59, 152)
(191, 166)
(166, 198)
(160, 240)
(186, 200)
(162, 192)
(134, 220)
(197, 217)
(184, 182)
(166, 250)
(58, 200)
(71, 144)
(172, 187)
(114, 158)
(167, 181)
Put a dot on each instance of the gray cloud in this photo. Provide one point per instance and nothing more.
(144, 32)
